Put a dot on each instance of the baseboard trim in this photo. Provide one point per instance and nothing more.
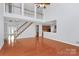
(77, 45)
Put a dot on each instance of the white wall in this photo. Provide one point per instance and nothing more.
(67, 16)
(1, 26)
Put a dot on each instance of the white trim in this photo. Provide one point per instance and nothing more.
(64, 42)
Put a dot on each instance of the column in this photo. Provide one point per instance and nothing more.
(22, 5)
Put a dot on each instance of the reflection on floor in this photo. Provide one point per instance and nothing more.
(41, 47)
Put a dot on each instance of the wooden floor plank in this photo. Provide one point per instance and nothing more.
(41, 47)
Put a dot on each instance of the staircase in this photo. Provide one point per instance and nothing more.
(21, 29)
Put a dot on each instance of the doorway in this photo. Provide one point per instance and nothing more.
(37, 31)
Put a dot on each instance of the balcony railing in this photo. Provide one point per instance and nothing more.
(17, 9)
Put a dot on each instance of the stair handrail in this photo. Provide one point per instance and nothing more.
(21, 26)
(22, 30)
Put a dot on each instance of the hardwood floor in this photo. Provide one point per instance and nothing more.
(39, 47)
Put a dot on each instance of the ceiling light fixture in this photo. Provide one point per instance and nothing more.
(42, 5)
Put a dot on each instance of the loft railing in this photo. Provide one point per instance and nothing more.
(11, 8)
(21, 26)
(17, 9)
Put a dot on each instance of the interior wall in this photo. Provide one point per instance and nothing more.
(1, 26)
(67, 17)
